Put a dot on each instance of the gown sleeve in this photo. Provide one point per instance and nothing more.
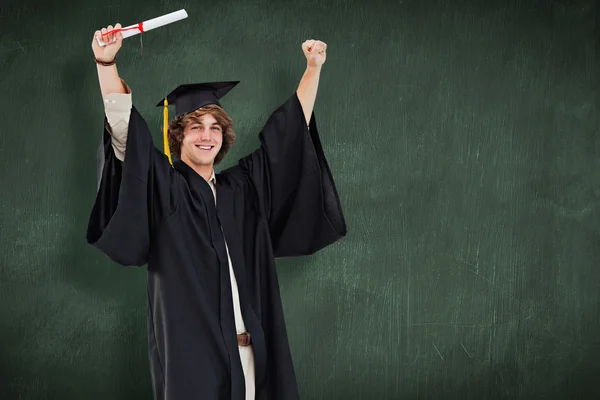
(294, 185)
(133, 195)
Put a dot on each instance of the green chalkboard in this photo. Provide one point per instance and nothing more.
(464, 140)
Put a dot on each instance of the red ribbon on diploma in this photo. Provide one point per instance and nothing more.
(140, 27)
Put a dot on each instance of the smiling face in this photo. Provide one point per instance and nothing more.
(202, 140)
(203, 137)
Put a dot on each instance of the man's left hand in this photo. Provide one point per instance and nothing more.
(315, 52)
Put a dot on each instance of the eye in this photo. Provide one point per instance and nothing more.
(216, 128)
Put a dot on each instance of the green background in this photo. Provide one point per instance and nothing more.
(464, 141)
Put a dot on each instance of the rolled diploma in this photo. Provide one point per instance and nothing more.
(150, 24)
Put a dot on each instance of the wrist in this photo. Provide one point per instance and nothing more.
(313, 69)
(105, 63)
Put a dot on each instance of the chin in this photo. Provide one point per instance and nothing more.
(204, 160)
(200, 162)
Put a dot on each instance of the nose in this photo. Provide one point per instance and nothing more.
(205, 134)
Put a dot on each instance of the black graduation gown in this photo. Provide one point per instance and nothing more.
(278, 201)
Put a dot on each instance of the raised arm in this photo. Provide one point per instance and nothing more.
(116, 94)
(290, 176)
(316, 53)
(134, 192)
(108, 76)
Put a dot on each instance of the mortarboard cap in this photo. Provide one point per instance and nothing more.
(190, 97)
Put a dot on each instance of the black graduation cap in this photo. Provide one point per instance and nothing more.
(190, 97)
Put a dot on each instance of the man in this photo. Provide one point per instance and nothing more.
(215, 323)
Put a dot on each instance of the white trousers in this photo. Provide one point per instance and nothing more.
(247, 359)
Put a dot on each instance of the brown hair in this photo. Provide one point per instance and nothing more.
(178, 125)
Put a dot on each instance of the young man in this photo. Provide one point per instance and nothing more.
(215, 323)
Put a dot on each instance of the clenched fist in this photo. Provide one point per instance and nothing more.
(112, 43)
(315, 52)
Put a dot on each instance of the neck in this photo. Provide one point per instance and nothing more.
(204, 171)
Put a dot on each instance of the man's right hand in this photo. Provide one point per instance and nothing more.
(111, 46)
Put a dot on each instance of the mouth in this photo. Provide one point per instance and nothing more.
(204, 148)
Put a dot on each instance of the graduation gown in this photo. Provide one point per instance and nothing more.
(278, 201)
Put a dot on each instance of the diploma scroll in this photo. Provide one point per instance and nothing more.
(146, 26)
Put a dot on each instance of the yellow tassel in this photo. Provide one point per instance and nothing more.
(166, 149)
